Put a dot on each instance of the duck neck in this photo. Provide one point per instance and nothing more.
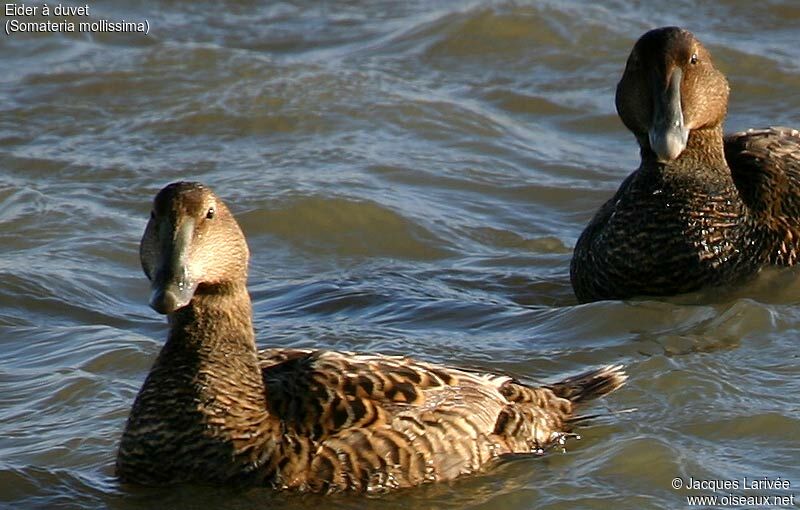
(703, 158)
(215, 326)
(206, 386)
(707, 145)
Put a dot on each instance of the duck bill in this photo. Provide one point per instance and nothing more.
(173, 287)
(668, 134)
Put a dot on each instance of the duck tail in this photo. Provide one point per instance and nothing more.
(590, 385)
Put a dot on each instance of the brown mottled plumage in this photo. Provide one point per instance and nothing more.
(700, 210)
(215, 410)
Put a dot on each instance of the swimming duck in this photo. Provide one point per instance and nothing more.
(215, 410)
(701, 209)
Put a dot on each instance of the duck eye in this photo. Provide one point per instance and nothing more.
(210, 213)
(693, 60)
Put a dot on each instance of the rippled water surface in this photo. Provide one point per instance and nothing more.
(411, 177)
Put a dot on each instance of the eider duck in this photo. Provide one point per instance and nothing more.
(702, 209)
(214, 410)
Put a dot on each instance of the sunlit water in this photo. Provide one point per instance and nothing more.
(411, 177)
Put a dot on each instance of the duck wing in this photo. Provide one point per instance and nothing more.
(372, 422)
(320, 393)
(765, 164)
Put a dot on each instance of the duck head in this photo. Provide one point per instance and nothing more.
(669, 88)
(192, 243)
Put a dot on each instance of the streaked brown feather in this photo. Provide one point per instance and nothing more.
(215, 410)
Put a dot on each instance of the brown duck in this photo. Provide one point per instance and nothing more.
(215, 410)
(701, 210)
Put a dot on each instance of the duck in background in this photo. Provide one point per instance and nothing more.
(702, 209)
(215, 410)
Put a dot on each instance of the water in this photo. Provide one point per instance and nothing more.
(411, 177)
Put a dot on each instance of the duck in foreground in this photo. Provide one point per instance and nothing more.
(701, 209)
(215, 410)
